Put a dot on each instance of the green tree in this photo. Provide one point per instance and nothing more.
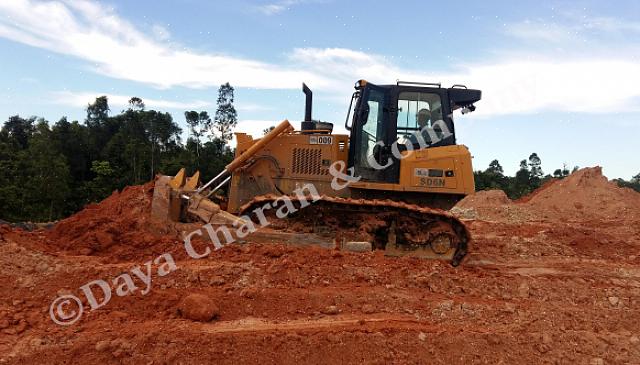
(162, 133)
(561, 173)
(206, 124)
(72, 140)
(100, 130)
(18, 131)
(226, 117)
(491, 178)
(535, 171)
(136, 104)
(98, 111)
(195, 131)
(102, 184)
(10, 181)
(521, 182)
(634, 183)
(48, 177)
(267, 130)
(215, 156)
(193, 121)
(199, 124)
(495, 167)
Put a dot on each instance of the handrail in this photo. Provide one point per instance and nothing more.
(439, 85)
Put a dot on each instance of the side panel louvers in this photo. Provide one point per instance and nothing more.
(308, 161)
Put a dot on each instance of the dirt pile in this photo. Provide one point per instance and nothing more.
(485, 198)
(119, 227)
(545, 185)
(492, 205)
(585, 194)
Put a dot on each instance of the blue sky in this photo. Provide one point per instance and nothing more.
(561, 79)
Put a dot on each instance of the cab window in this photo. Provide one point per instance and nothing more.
(415, 111)
(373, 129)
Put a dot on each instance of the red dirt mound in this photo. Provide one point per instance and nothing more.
(527, 198)
(491, 205)
(484, 199)
(119, 226)
(585, 194)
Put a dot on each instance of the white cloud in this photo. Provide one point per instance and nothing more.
(584, 82)
(510, 86)
(253, 127)
(95, 34)
(160, 32)
(538, 30)
(581, 64)
(242, 106)
(272, 9)
(571, 27)
(538, 86)
(82, 99)
(280, 6)
(341, 63)
(608, 24)
(345, 66)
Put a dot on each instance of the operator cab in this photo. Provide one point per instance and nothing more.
(395, 118)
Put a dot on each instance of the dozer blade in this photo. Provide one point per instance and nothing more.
(160, 209)
(210, 212)
(167, 195)
(178, 181)
(192, 182)
(174, 199)
(166, 203)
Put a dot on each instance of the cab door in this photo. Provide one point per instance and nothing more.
(371, 136)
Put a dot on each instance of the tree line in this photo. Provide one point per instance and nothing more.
(529, 177)
(51, 170)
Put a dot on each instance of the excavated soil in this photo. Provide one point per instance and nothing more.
(584, 195)
(551, 279)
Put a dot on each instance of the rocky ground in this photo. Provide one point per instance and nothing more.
(554, 278)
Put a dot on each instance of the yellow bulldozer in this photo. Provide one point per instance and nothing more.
(386, 185)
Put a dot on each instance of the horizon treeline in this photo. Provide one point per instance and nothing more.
(529, 177)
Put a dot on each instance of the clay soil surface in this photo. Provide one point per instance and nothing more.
(554, 278)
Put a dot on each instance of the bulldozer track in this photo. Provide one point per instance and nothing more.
(402, 229)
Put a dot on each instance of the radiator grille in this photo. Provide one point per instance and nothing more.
(308, 161)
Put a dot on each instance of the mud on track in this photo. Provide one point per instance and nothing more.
(545, 283)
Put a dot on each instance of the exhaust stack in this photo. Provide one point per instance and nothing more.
(308, 102)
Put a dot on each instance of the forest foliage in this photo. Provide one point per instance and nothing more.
(51, 170)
